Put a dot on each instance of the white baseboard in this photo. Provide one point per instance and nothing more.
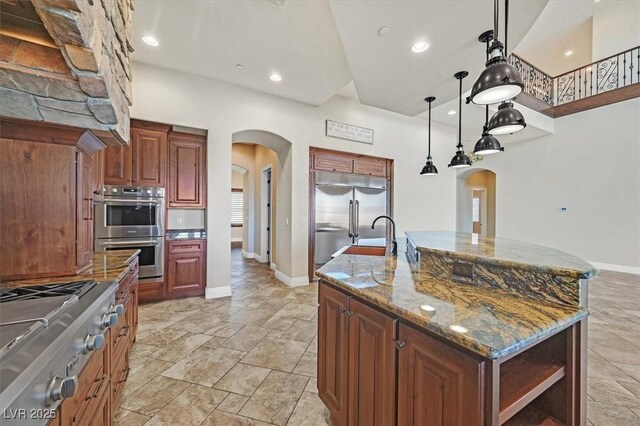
(292, 282)
(273, 266)
(248, 255)
(260, 258)
(617, 268)
(217, 292)
(236, 240)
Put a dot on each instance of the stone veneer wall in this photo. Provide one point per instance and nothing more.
(86, 82)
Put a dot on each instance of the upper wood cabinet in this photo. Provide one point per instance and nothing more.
(346, 162)
(437, 385)
(149, 157)
(143, 162)
(187, 177)
(117, 165)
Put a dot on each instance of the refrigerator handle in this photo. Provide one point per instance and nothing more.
(350, 218)
(357, 221)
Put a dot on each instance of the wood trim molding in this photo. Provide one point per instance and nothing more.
(39, 131)
(192, 137)
(151, 125)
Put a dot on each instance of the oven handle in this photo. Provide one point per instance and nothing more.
(107, 202)
(134, 243)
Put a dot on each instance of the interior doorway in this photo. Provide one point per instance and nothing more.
(267, 220)
(476, 202)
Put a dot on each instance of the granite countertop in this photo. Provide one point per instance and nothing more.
(107, 267)
(503, 252)
(492, 323)
(186, 234)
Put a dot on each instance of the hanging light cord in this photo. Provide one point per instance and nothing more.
(486, 108)
(429, 154)
(460, 117)
(506, 25)
(496, 17)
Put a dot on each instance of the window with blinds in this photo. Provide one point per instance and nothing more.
(237, 209)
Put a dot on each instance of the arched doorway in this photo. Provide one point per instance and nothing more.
(476, 202)
(267, 234)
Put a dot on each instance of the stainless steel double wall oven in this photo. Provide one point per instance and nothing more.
(133, 218)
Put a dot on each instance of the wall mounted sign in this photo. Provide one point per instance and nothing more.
(349, 132)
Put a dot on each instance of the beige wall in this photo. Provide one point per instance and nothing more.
(237, 183)
(467, 182)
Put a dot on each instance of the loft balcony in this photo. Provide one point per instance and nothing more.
(607, 81)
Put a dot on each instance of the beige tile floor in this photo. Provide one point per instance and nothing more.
(251, 359)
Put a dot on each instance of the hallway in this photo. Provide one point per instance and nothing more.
(245, 360)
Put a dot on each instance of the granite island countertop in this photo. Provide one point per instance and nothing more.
(490, 322)
(107, 267)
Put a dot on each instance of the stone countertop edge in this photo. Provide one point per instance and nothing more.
(186, 234)
(458, 339)
(107, 268)
(589, 272)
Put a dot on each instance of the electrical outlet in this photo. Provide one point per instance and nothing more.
(179, 221)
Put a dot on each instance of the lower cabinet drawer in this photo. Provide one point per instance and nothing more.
(119, 376)
(93, 382)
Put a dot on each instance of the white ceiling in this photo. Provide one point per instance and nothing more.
(388, 75)
(319, 47)
(298, 40)
(563, 25)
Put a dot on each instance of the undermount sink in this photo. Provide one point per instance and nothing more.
(362, 251)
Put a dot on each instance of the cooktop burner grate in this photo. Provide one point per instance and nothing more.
(78, 288)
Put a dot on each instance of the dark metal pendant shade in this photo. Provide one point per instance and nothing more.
(460, 160)
(429, 168)
(498, 82)
(487, 144)
(506, 120)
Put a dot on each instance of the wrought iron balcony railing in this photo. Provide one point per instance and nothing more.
(614, 72)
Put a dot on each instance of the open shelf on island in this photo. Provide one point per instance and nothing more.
(526, 376)
(531, 416)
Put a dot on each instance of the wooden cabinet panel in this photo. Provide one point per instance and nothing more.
(186, 246)
(186, 274)
(38, 209)
(98, 172)
(149, 157)
(370, 166)
(333, 162)
(187, 178)
(133, 320)
(119, 376)
(117, 165)
(333, 345)
(437, 385)
(150, 291)
(372, 361)
(84, 213)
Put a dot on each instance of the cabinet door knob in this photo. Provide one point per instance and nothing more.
(349, 314)
(399, 344)
(343, 309)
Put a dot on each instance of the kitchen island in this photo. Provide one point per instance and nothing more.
(457, 329)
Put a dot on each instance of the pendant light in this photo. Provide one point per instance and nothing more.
(508, 119)
(499, 81)
(487, 144)
(429, 169)
(460, 159)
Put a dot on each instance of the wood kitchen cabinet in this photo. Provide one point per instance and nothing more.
(357, 378)
(47, 216)
(143, 162)
(437, 385)
(186, 268)
(333, 351)
(187, 165)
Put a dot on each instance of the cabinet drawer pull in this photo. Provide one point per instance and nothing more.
(399, 344)
(126, 375)
(96, 393)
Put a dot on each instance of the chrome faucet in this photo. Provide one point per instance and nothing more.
(394, 250)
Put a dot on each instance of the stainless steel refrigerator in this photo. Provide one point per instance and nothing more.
(345, 207)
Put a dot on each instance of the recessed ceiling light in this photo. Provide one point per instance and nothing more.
(596, 1)
(383, 31)
(420, 47)
(239, 67)
(151, 41)
(275, 77)
(452, 112)
(568, 53)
